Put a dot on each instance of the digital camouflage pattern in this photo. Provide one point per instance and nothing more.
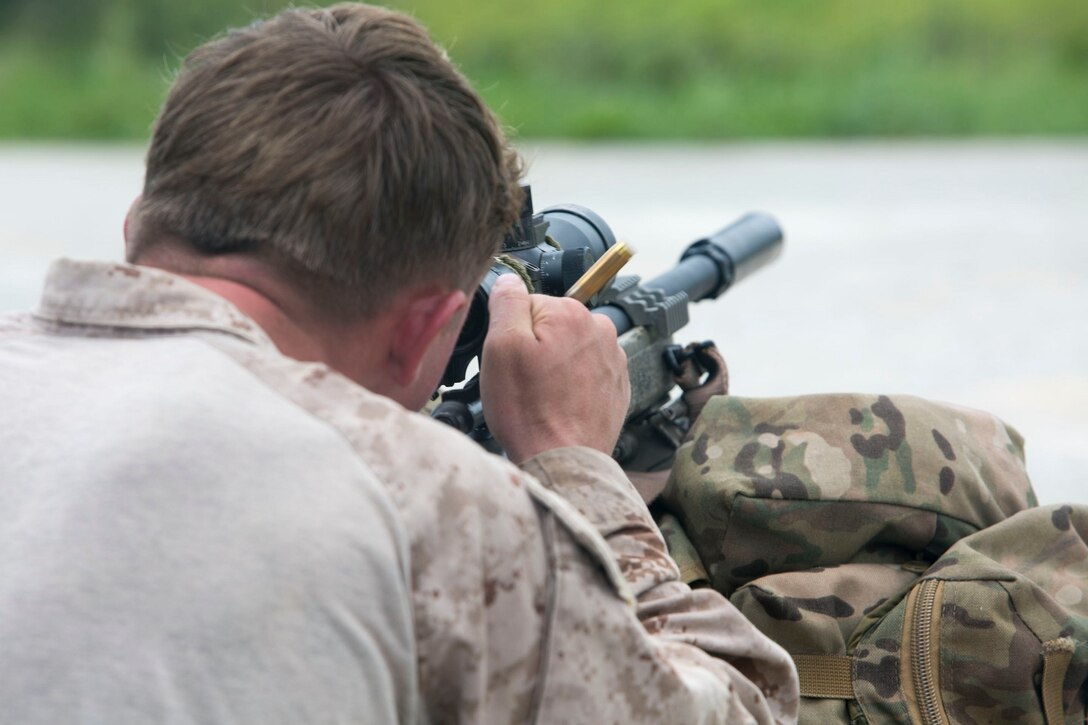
(682, 551)
(538, 595)
(817, 515)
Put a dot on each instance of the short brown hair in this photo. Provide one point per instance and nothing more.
(339, 141)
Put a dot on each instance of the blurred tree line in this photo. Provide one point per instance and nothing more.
(614, 68)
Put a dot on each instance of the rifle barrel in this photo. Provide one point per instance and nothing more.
(710, 266)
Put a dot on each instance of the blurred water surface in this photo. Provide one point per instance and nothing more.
(951, 270)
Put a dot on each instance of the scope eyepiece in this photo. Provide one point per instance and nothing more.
(552, 249)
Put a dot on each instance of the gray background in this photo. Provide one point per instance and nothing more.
(951, 270)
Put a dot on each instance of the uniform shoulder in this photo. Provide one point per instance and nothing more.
(405, 449)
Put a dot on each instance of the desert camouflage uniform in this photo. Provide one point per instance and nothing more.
(538, 595)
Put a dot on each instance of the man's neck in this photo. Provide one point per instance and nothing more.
(292, 323)
(290, 337)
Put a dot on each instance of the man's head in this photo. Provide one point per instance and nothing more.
(339, 156)
(338, 145)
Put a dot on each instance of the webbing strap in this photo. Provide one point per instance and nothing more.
(826, 676)
(1057, 654)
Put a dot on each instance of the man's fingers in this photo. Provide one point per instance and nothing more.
(534, 398)
(509, 306)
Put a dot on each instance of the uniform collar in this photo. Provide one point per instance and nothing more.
(107, 294)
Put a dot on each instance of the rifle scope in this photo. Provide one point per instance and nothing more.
(552, 249)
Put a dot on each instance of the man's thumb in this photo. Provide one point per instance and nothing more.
(510, 307)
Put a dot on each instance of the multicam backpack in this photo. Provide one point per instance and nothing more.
(893, 547)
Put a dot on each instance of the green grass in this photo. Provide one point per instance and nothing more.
(863, 103)
(686, 69)
(99, 94)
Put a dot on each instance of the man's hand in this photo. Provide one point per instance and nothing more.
(552, 374)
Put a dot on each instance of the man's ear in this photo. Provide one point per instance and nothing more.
(128, 230)
(419, 323)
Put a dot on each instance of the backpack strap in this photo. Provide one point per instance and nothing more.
(831, 676)
(1057, 653)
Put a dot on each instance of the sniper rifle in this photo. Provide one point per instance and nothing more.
(553, 249)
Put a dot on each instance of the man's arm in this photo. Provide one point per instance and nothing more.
(521, 612)
(554, 377)
(762, 673)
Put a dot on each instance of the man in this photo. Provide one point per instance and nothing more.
(216, 505)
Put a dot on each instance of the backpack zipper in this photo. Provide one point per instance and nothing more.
(923, 671)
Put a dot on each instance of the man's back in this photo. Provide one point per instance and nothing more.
(192, 524)
(198, 528)
(180, 543)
